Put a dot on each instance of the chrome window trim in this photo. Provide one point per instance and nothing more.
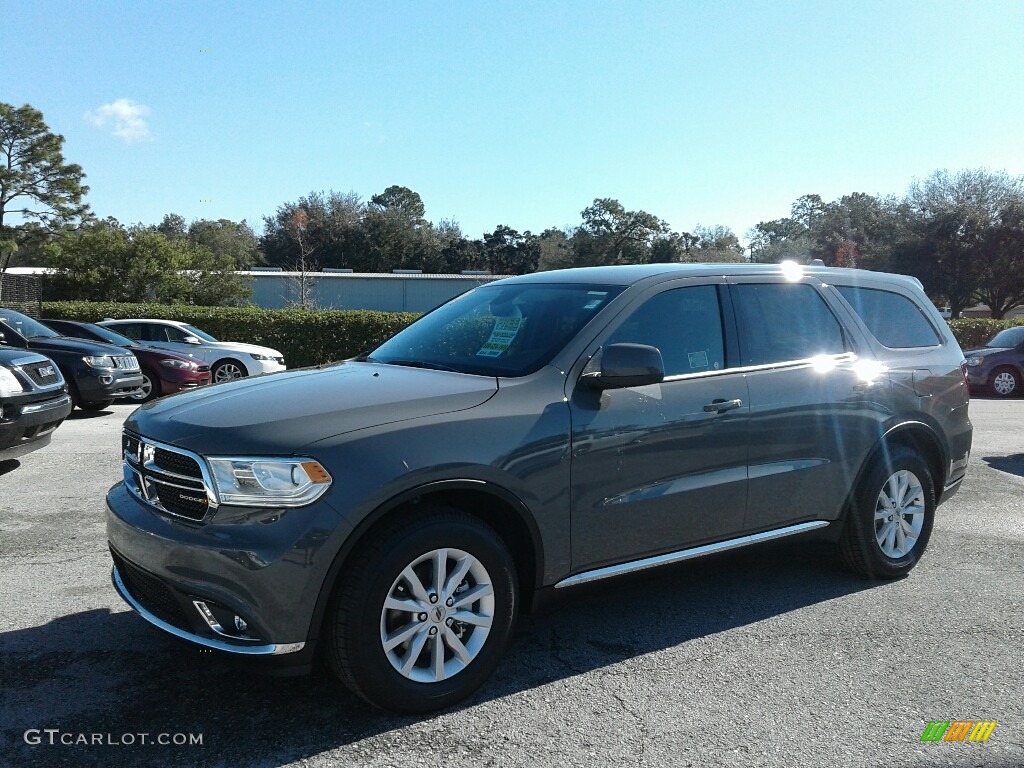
(687, 554)
(268, 649)
(839, 357)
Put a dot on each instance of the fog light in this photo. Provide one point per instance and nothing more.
(106, 379)
(240, 624)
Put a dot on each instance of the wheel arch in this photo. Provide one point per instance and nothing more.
(491, 504)
(228, 359)
(919, 437)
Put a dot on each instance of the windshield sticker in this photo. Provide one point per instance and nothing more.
(699, 359)
(594, 299)
(504, 333)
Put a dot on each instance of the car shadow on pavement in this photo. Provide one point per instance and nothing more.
(112, 674)
(8, 465)
(1013, 464)
(78, 414)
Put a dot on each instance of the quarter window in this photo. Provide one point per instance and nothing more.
(893, 319)
(785, 321)
(685, 324)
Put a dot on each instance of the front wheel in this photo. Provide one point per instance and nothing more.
(228, 370)
(890, 521)
(422, 616)
(150, 388)
(1005, 382)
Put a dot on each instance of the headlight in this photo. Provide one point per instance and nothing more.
(9, 384)
(183, 365)
(254, 356)
(973, 361)
(269, 482)
(99, 361)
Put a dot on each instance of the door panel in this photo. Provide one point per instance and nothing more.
(653, 471)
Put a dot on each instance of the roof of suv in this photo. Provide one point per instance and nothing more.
(628, 274)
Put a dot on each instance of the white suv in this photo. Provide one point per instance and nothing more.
(228, 359)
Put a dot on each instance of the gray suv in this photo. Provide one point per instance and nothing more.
(396, 512)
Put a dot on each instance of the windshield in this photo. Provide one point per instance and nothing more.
(201, 335)
(1008, 337)
(500, 330)
(112, 337)
(26, 326)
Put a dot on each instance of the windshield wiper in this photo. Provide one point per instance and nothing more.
(417, 364)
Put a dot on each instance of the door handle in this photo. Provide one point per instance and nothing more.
(721, 406)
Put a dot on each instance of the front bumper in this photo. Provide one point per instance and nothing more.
(27, 426)
(266, 567)
(97, 384)
(257, 367)
(176, 380)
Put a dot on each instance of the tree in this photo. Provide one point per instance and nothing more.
(232, 241)
(612, 235)
(334, 231)
(1001, 280)
(506, 252)
(717, 244)
(303, 285)
(952, 219)
(104, 261)
(36, 185)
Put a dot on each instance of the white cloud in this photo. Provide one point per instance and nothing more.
(126, 119)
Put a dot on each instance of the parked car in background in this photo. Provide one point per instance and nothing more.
(33, 401)
(999, 365)
(227, 359)
(96, 373)
(163, 372)
(399, 510)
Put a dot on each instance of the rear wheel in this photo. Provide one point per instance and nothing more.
(890, 521)
(1005, 381)
(423, 614)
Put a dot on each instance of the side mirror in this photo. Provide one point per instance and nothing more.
(191, 340)
(627, 365)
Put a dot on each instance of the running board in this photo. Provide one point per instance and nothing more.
(687, 554)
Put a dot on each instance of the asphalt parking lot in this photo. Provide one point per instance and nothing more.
(759, 657)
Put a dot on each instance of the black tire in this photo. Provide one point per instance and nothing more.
(859, 545)
(1009, 383)
(154, 388)
(356, 621)
(97, 405)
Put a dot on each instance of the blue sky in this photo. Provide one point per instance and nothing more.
(518, 113)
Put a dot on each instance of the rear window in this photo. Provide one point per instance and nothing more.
(895, 320)
(780, 322)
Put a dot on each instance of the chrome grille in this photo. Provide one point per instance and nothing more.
(165, 477)
(126, 363)
(42, 374)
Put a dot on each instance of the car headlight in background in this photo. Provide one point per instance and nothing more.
(9, 384)
(182, 365)
(255, 356)
(99, 361)
(270, 482)
(973, 361)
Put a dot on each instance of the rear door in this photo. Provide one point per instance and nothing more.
(817, 400)
(654, 469)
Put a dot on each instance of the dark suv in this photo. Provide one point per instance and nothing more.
(399, 510)
(96, 373)
(33, 402)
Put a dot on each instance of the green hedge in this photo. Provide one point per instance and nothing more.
(305, 337)
(974, 332)
(311, 337)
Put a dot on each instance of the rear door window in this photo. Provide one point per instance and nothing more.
(893, 319)
(779, 322)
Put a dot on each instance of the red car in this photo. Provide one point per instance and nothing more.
(163, 372)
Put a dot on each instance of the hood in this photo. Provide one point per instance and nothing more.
(281, 413)
(986, 351)
(236, 346)
(76, 346)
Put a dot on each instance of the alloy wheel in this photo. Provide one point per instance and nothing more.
(437, 615)
(899, 514)
(227, 372)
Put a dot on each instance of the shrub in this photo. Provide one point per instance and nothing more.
(305, 337)
(974, 332)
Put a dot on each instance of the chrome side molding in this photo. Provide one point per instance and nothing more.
(687, 554)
